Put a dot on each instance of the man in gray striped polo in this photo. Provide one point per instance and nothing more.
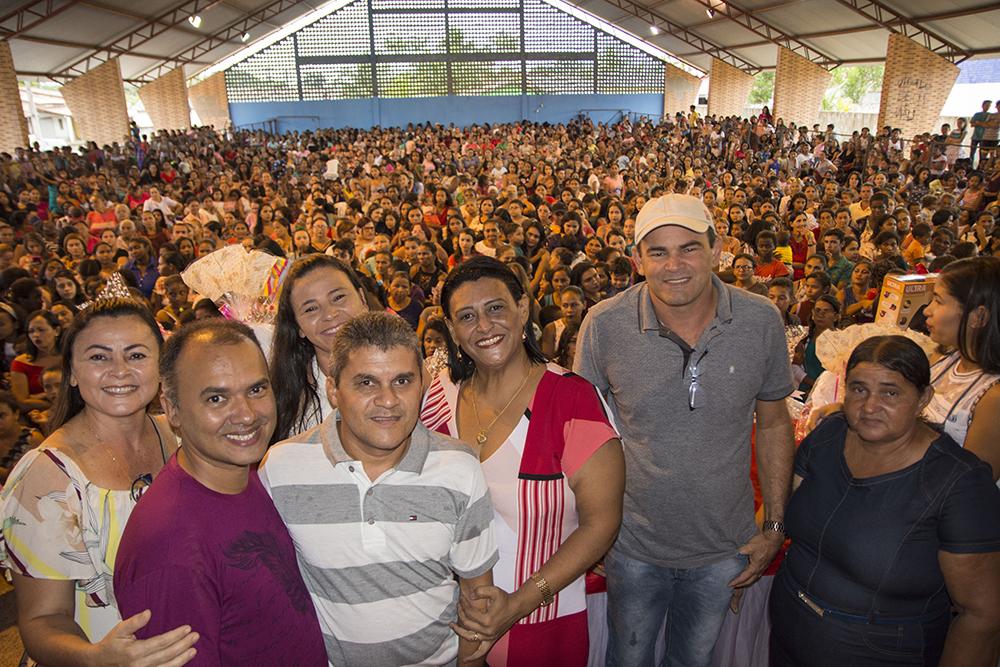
(390, 521)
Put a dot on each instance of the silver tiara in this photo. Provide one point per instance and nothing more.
(115, 288)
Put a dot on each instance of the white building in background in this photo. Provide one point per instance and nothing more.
(49, 120)
(978, 81)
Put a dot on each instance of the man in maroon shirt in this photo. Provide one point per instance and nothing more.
(205, 547)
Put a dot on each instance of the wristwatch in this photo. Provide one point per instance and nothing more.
(771, 526)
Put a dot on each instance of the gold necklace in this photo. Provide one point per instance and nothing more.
(100, 440)
(481, 436)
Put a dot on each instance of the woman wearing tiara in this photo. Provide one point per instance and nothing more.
(66, 503)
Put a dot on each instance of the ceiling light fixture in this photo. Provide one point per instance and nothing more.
(245, 37)
(195, 20)
(653, 29)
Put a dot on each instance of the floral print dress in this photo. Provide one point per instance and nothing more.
(58, 525)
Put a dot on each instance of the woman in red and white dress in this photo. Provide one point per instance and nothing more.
(552, 460)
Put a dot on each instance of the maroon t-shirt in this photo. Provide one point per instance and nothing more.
(223, 564)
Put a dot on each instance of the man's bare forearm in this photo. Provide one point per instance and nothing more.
(775, 460)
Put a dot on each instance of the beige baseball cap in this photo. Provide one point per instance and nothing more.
(673, 209)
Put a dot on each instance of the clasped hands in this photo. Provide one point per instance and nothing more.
(486, 616)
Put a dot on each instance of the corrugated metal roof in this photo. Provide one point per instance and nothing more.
(980, 71)
(63, 38)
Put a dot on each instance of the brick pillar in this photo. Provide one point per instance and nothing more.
(166, 101)
(210, 100)
(799, 86)
(13, 125)
(728, 89)
(97, 102)
(915, 86)
(680, 90)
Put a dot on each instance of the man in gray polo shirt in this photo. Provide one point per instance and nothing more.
(390, 521)
(687, 364)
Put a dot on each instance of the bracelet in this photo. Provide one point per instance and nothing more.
(543, 588)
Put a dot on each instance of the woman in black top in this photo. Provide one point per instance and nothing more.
(892, 525)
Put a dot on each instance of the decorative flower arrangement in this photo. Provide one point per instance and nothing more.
(243, 284)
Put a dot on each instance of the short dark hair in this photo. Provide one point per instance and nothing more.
(143, 241)
(834, 231)
(941, 217)
(217, 331)
(886, 236)
(621, 266)
(175, 279)
(940, 262)
(965, 249)
(782, 282)
(372, 329)
(207, 304)
(896, 353)
(174, 259)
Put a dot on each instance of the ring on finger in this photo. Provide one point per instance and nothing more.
(475, 636)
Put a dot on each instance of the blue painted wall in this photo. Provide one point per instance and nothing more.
(462, 111)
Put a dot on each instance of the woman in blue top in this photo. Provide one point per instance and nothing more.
(893, 525)
(824, 317)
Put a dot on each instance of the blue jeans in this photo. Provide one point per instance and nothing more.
(800, 637)
(693, 601)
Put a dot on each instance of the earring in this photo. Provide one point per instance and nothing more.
(524, 336)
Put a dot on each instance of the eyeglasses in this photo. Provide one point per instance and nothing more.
(139, 486)
(696, 392)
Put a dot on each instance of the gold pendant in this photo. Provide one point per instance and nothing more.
(481, 437)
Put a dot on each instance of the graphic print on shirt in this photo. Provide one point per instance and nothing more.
(251, 550)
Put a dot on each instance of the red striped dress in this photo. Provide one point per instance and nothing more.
(534, 507)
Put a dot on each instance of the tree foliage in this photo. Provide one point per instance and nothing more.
(849, 85)
(762, 91)
(457, 62)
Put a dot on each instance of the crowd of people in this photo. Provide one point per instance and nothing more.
(401, 468)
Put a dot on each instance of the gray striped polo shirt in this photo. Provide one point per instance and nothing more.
(380, 558)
